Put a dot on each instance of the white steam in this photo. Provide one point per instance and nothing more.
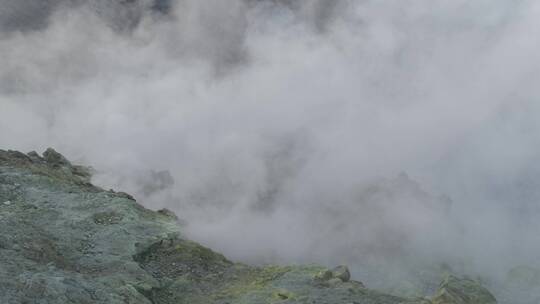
(285, 125)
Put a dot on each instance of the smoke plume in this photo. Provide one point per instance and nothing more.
(401, 133)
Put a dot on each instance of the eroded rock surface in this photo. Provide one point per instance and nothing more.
(64, 240)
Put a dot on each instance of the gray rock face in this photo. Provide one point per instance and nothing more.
(64, 240)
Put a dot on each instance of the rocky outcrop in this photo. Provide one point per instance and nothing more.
(64, 240)
(462, 291)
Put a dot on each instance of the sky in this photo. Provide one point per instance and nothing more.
(357, 132)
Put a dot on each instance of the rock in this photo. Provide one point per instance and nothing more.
(168, 213)
(82, 172)
(52, 164)
(125, 195)
(35, 156)
(341, 272)
(14, 157)
(462, 291)
(324, 275)
(54, 158)
(334, 282)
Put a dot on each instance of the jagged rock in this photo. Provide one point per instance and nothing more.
(34, 156)
(63, 240)
(462, 291)
(54, 158)
(52, 164)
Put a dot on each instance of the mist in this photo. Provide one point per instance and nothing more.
(382, 135)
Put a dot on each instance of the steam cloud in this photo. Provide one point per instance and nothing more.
(281, 128)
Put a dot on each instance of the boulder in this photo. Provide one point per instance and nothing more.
(341, 272)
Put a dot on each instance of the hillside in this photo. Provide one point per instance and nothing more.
(64, 240)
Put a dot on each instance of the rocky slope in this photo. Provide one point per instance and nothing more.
(64, 240)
